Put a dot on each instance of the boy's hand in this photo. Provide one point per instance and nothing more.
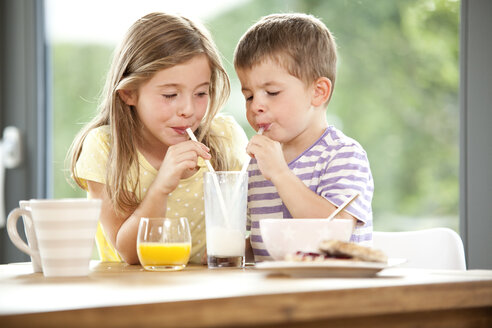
(268, 154)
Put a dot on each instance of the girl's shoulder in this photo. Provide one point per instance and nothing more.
(227, 126)
(98, 137)
(222, 124)
(233, 140)
(101, 132)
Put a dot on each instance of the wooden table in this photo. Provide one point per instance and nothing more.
(118, 295)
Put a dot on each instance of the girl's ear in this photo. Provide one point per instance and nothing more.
(128, 96)
(321, 92)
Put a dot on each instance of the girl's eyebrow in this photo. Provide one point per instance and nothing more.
(178, 84)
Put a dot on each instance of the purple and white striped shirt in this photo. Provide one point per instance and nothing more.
(334, 167)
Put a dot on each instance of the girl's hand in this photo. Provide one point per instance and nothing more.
(179, 158)
(268, 154)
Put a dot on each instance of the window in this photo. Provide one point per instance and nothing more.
(396, 90)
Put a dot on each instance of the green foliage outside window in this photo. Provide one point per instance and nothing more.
(396, 93)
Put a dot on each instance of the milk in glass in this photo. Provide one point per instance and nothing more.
(226, 222)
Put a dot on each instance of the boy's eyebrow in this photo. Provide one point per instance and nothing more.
(266, 84)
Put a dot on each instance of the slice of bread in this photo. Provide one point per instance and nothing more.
(336, 248)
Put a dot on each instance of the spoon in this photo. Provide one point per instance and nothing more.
(342, 207)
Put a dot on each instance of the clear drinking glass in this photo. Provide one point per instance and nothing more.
(163, 244)
(225, 196)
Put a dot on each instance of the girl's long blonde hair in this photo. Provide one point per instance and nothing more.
(155, 42)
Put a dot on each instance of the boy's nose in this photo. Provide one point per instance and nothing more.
(257, 106)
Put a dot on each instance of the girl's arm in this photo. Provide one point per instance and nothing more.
(121, 229)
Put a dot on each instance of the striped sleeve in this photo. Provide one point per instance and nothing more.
(346, 174)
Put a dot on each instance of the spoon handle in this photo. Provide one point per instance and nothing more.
(342, 207)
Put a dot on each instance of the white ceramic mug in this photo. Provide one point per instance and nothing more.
(64, 230)
(32, 247)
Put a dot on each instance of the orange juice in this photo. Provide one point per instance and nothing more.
(166, 256)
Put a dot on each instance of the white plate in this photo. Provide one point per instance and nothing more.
(328, 268)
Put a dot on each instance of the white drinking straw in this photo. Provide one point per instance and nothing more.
(214, 179)
(342, 207)
(243, 171)
(207, 162)
(246, 164)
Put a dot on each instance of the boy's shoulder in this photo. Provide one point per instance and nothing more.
(333, 148)
(335, 139)
(334, 144)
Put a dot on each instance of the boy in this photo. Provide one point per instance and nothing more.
(301, 167)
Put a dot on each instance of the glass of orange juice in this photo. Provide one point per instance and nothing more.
(163, 244)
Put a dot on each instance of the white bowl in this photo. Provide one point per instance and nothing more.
(287, 236)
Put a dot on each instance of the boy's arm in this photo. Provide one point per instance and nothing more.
(300, 200)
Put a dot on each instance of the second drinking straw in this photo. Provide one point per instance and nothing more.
(246, 164)
(215, 181)
(243, 171)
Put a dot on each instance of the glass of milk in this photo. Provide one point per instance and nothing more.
(225, 196)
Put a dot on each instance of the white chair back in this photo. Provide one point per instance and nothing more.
(435, 248)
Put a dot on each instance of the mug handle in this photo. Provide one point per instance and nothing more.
(14, 215)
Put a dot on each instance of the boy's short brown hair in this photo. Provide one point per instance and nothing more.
(300, 43)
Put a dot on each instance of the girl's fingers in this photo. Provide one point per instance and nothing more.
(201, 150)
(187, 151)
(195, 146)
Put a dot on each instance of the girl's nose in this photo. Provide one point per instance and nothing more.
(186, 108)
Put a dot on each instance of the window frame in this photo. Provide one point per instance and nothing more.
(23, 103)
(475, 135)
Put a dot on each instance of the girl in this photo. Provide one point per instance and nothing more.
(135, 155)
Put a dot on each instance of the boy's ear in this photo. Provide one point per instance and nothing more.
(321, 91)
(128, 96)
